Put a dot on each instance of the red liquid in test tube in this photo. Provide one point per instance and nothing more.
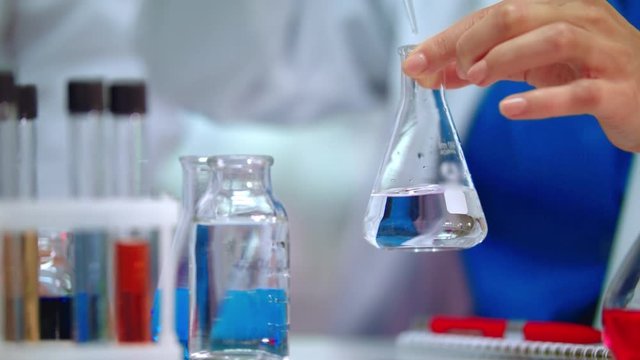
(133, 290)
(622, 333)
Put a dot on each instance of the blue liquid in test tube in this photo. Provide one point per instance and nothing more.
(90, 288)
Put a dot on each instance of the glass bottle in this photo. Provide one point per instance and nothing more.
(239, 264)
(621, 308)
(85, 98)
(195, 179)
(423, 198)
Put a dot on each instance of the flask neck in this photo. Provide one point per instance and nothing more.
(411, 90)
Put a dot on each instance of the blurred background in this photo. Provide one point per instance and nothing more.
(312, 83)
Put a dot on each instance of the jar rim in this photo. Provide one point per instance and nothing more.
(222, 161)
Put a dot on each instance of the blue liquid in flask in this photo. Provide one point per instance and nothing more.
(429, 218)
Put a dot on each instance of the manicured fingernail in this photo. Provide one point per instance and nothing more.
(478, 72)
(513, 106)
(415, 64)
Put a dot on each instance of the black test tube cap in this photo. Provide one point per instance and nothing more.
(7, 87)
(85, 96)
(128, 98)
(27, 101)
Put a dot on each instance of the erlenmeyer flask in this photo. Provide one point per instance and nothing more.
(423, 198)
(621, 308)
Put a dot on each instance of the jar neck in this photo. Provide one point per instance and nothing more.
(253, 179)
(195, 178)
(241, 172)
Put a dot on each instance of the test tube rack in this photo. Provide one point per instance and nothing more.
(160, 214)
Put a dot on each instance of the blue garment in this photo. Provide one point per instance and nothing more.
(551, 192)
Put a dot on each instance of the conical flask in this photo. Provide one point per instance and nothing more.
(621, 308)
(423, 198)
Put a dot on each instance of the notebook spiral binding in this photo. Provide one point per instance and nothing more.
(504, 348)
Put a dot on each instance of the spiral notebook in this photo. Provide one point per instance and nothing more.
(483, 347)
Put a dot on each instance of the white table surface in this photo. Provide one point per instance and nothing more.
(331, 348)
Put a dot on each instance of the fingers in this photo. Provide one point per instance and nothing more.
(447, 76)
(584, 96)
(557, 43)
(469, 40)
(440, 50)
(508, 21)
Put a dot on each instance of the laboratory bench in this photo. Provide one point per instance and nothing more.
(334, 348)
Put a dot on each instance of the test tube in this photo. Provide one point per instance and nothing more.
(8, 134)
(88, 137)
(26, 190)
(133, 251)
(12, 245)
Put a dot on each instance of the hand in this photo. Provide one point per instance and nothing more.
(581, 55)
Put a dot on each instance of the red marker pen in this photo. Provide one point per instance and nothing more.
(528, 330)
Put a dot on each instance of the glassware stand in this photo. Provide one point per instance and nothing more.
(157, 214)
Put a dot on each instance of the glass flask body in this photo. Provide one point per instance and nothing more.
(239, 265)
(621, 309)
(423, 198)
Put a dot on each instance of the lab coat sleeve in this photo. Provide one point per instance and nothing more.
(5, 31)
(284, 61)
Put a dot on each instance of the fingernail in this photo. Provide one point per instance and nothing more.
(513, 106)
(478, 72)
(415, 64)
(431, 81)
(461, 74)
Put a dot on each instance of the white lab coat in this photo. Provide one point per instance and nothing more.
(306, 81)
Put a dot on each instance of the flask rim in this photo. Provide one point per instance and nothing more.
(405, 50)
(194, 159)
(233, 161)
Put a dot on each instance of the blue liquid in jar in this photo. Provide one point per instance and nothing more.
(240, 299)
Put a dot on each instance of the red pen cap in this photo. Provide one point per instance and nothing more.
(469, 325)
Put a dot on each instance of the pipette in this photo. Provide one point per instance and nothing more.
(408, 6)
